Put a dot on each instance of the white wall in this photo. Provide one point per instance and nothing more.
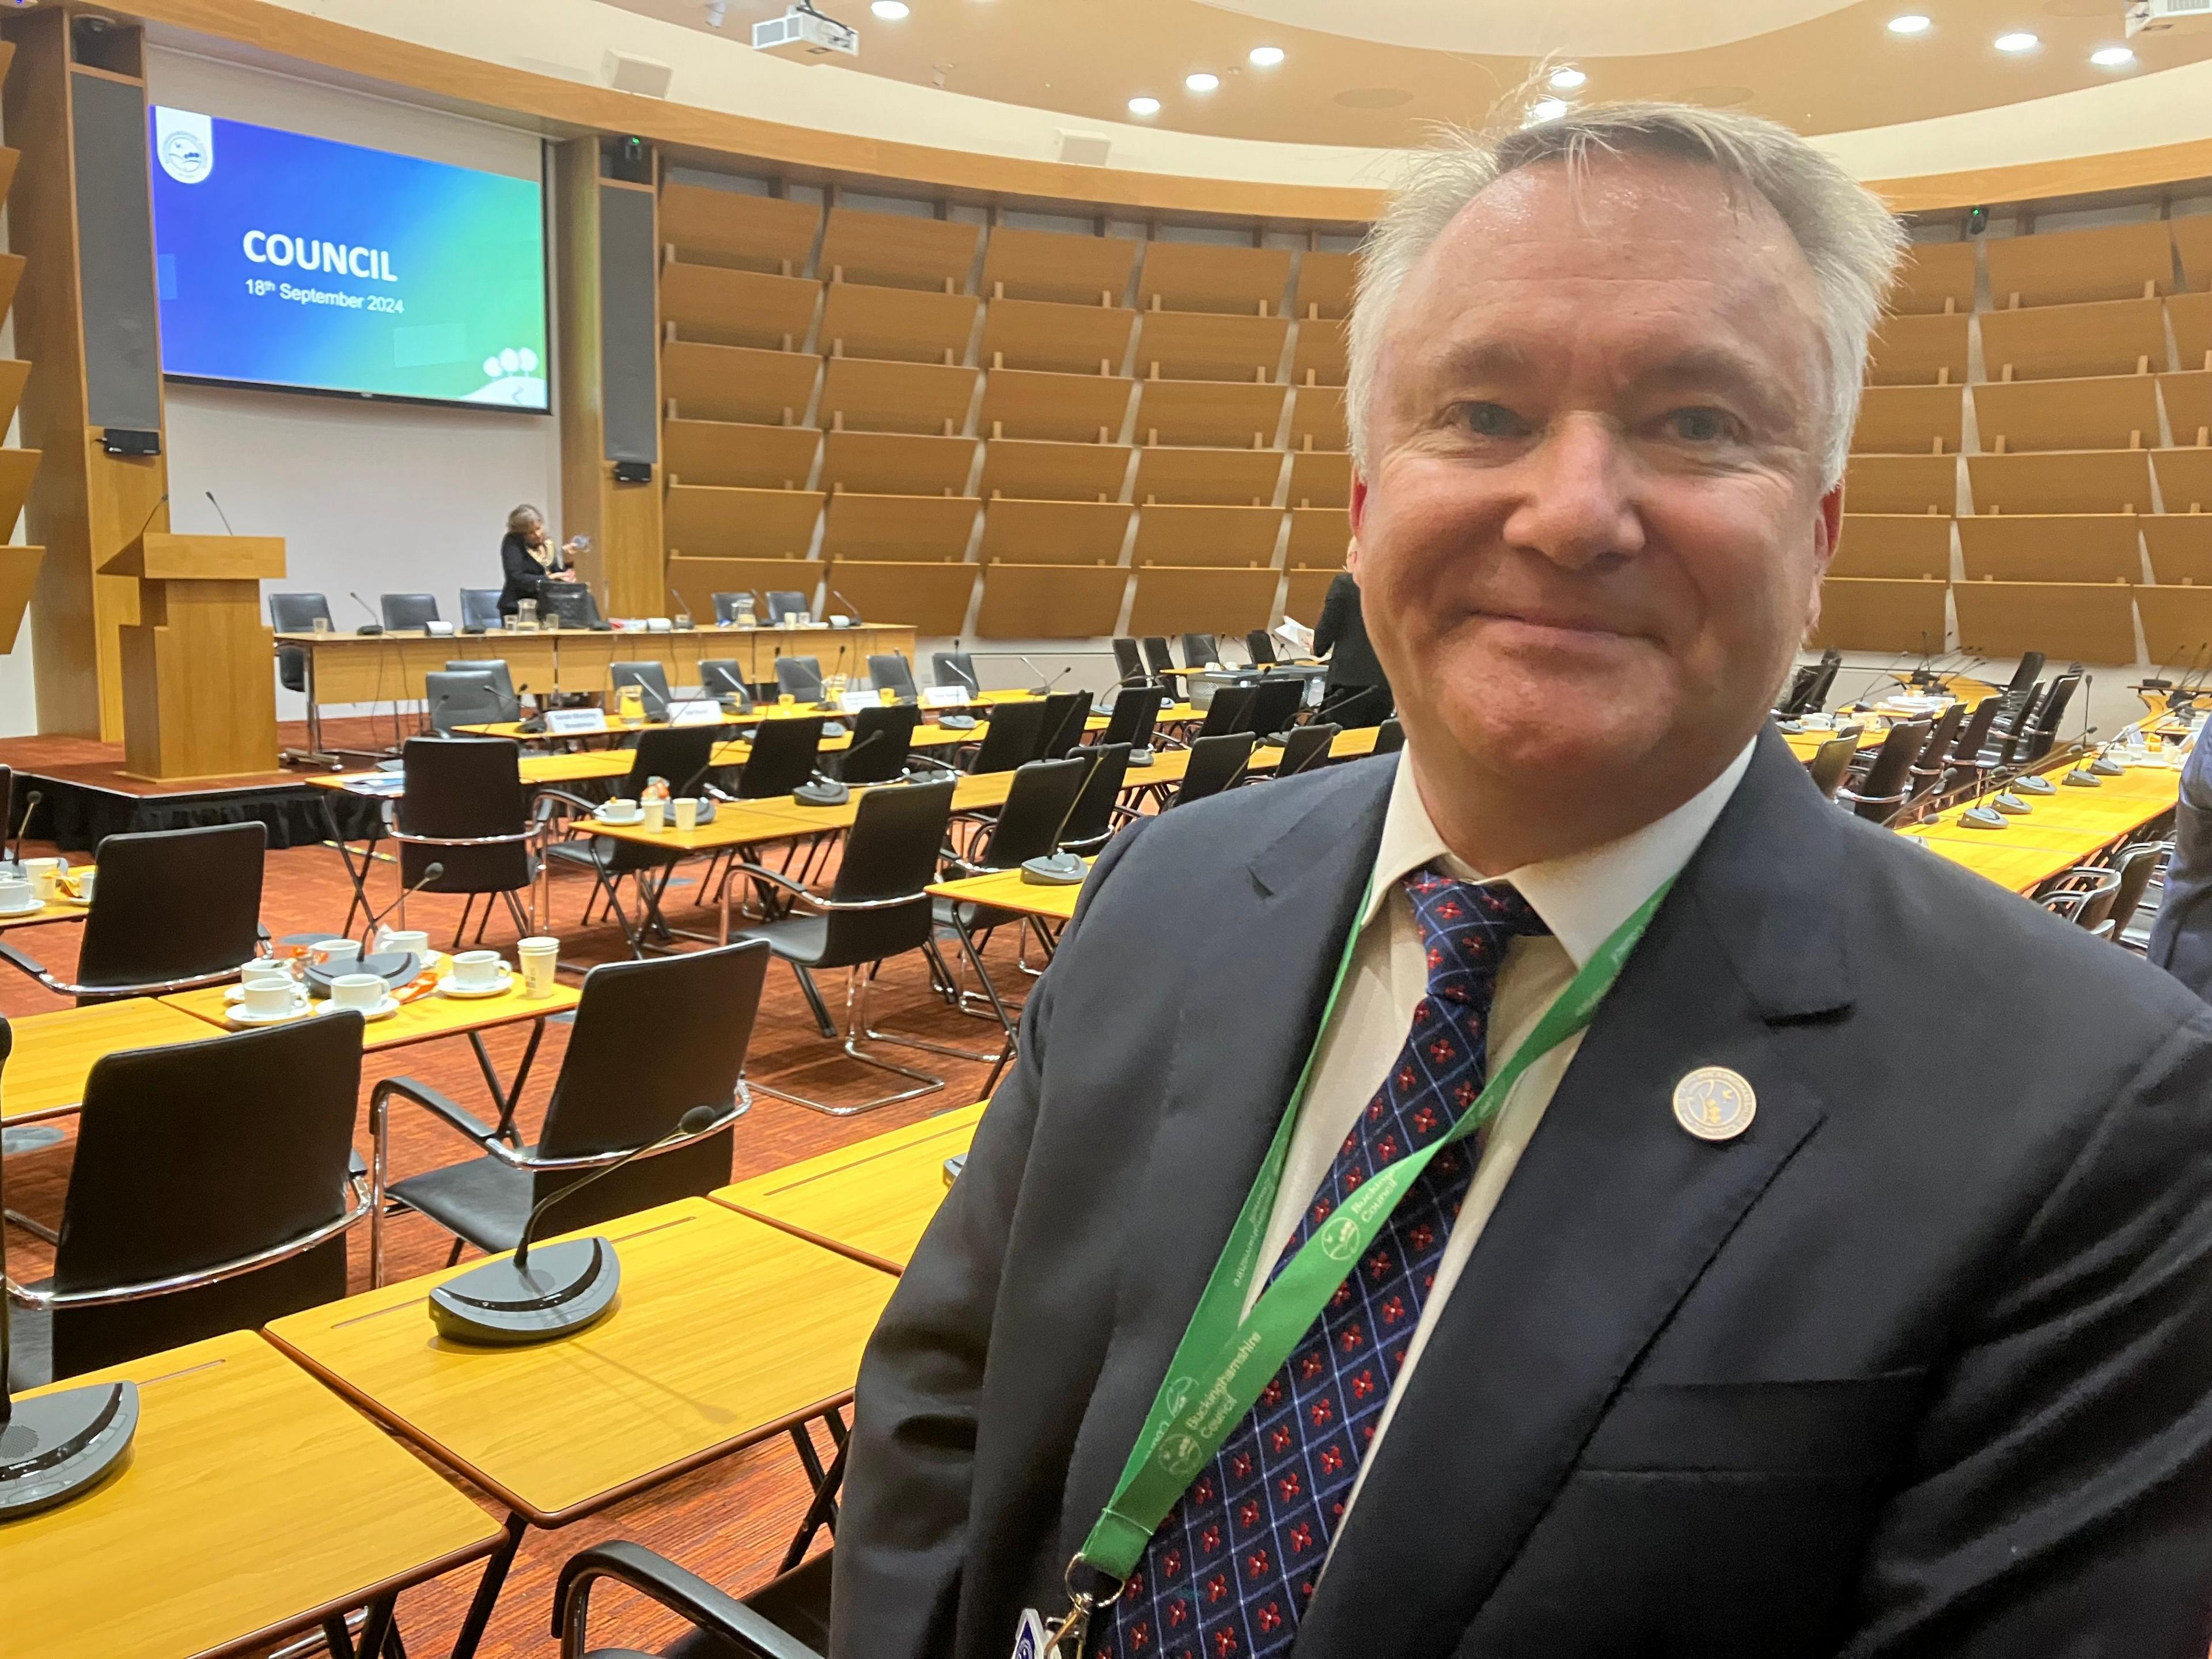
(377, 497)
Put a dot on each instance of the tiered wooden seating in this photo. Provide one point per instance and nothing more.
(1050, 601)
(1063, 339)
(902, 324)
(1321, 477)
(2191, 316)
(1179, 601)
(2187, 398)
(2085, 621)
(1068, 269)
(1936, 277)
(931, 598)
(1320, 358)
(1860, 613)
(867, 396)
(2118, 412)
(736, 383)
(1898, 483)
(2062, 481)
(2065, 267)
(2044, 343)
(729, 228)
(1216, 413)
(717, 520)
(901, 529)
(1046, 471)
(1245, 477)
(1325, 284)
(1177, 345)
(724, 307)
(2049, 547)
(1053, 533)
(1910, 420)
(1919, 351)
(891, 249)
(697, 580)
(1198, 277)
(1020, 403)
(2177, 623)
(724, 452)
(2180, 546)
(1317, 419)
(1319, 536)
(2184, 479)
(897, 464)
(1894, 545)
(1217, 536)
(1303, 597)
(2192, 239)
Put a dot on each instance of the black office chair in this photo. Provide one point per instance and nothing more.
(799, 677)
(722, 678)
(681, 754)
(1200, 651)
(2023, 680)
(1933, 763)
(1965, 760)
(785, 754)
(1230, 711)
(650, 678)
(1260, 646)
(1831, 760)
(1129, 661)
(950, 670)
(1215, 764)
(467, 697)
(788, 1618)
(1014, 736)
(882, 739)
(1097, 815)
(878, 908)
(1308, 749)
(175, 909)
(2040, 734)
(726, 608)
(1275, 704)
(1889, 783)
(1389, 737)
(1066, 715)
(466, 810)
(1157, 658)
(694, 1013)
(1135, 712)
(783, 602)
(570, 605)
(295, 613)
(480, 609)
(889, 671)
(510, 700)
(408, 610)
(208, 1193)
(1808, 686)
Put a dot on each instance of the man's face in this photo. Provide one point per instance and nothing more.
(1593, 529)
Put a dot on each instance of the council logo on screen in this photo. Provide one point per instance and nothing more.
(186, 144)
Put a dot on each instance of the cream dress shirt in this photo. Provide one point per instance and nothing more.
(1582, 899)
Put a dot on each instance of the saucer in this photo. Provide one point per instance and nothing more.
(239, 1017)
(30, 910)
(620, 823)
(383, 1010)
(447, 988)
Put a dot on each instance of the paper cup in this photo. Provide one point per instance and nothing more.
(655, 814)
(540, 956)
(84, 884)
(687, 812)
(44, 874)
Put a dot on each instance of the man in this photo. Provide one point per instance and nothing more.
(2181, 934)
(1357, 685)
(1843, 1288)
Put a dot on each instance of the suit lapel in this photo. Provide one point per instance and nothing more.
(1612, 1214)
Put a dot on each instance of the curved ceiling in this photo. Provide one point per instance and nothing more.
(1379, 73)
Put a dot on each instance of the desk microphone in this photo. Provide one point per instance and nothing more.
(1061, 868)
(1044, 686)
(219, 513)
(851, 609)
(22, 828)
(571, 1284)
(431, 873)
(823, 790)
(1888, 673)
(373, 625)
(836, 672)
(157, 508)
(57, 1445)
(682, 614)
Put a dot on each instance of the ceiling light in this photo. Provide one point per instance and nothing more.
(2021, 41)
(1267, 56)
(1144, 106)
(890, 10)
(1201, 81)
(2112, 58)
(1547, 109)
(1912, 23)
(1566, 80)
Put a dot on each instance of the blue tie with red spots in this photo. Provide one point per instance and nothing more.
(1229, 1572)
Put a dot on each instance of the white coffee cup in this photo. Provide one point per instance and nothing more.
(265, 972)
(85, 878)
(271, 998)
(620, 810)
(540, 956)
(476, 970)
(364, 991)
(18, 894)
(44, 873)
(334, 955)
(687, 812)
(656, 813)
(412, 938)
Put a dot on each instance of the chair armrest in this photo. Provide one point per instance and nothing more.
(679, 1591)
(761, 872)
(454, 1115)
(30, 964)
(37, 970)
(916, 758)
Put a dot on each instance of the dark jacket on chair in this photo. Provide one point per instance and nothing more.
(1920, 1364)
(1341, 636)
(2181, 934)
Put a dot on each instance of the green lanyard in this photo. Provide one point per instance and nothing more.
(1226, 1358)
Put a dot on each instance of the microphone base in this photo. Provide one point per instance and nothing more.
(2036, 785)
(368, 630)
(1143, 758)
(2011, 805)
(2105, 767)
(564, 1288)
(820, 794)
(2081, 779)
(957, 722)
(1981, 817)
(60, 1445)
(1055, 870)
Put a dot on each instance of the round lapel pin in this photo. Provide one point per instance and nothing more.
(1715, 1104)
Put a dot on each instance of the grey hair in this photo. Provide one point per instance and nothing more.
(1851, 241)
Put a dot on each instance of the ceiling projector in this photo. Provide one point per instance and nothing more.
(804, 33)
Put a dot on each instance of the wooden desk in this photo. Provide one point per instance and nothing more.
(870, 1200)
(728, 1331)
(1005, 889)
(51, 910)
(55, 1053)
(254, 1505)
(2063, 831)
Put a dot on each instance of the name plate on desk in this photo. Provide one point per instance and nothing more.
(574, 722)
(942, 697)
(853, 702)
(695, 711)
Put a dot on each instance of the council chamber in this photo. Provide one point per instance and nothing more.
(592, 579)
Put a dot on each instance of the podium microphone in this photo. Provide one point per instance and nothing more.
(57, 1445)
(566, 1286)
(375, 624)
(219, 513)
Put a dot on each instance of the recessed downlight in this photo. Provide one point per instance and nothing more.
(2111, 57)
(1912, 23)
(1267, 56)
(2019, 40)
(1144, 106)
(1547, 109)
(1201, 81)
(892, 10)
(1567, 79)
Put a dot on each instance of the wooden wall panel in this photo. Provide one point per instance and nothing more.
(2084, 620)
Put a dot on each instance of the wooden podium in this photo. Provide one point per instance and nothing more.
(199, 698)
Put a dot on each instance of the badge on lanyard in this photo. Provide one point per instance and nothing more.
(1029, 1636)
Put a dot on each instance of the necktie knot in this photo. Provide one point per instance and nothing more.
(1466, 928)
